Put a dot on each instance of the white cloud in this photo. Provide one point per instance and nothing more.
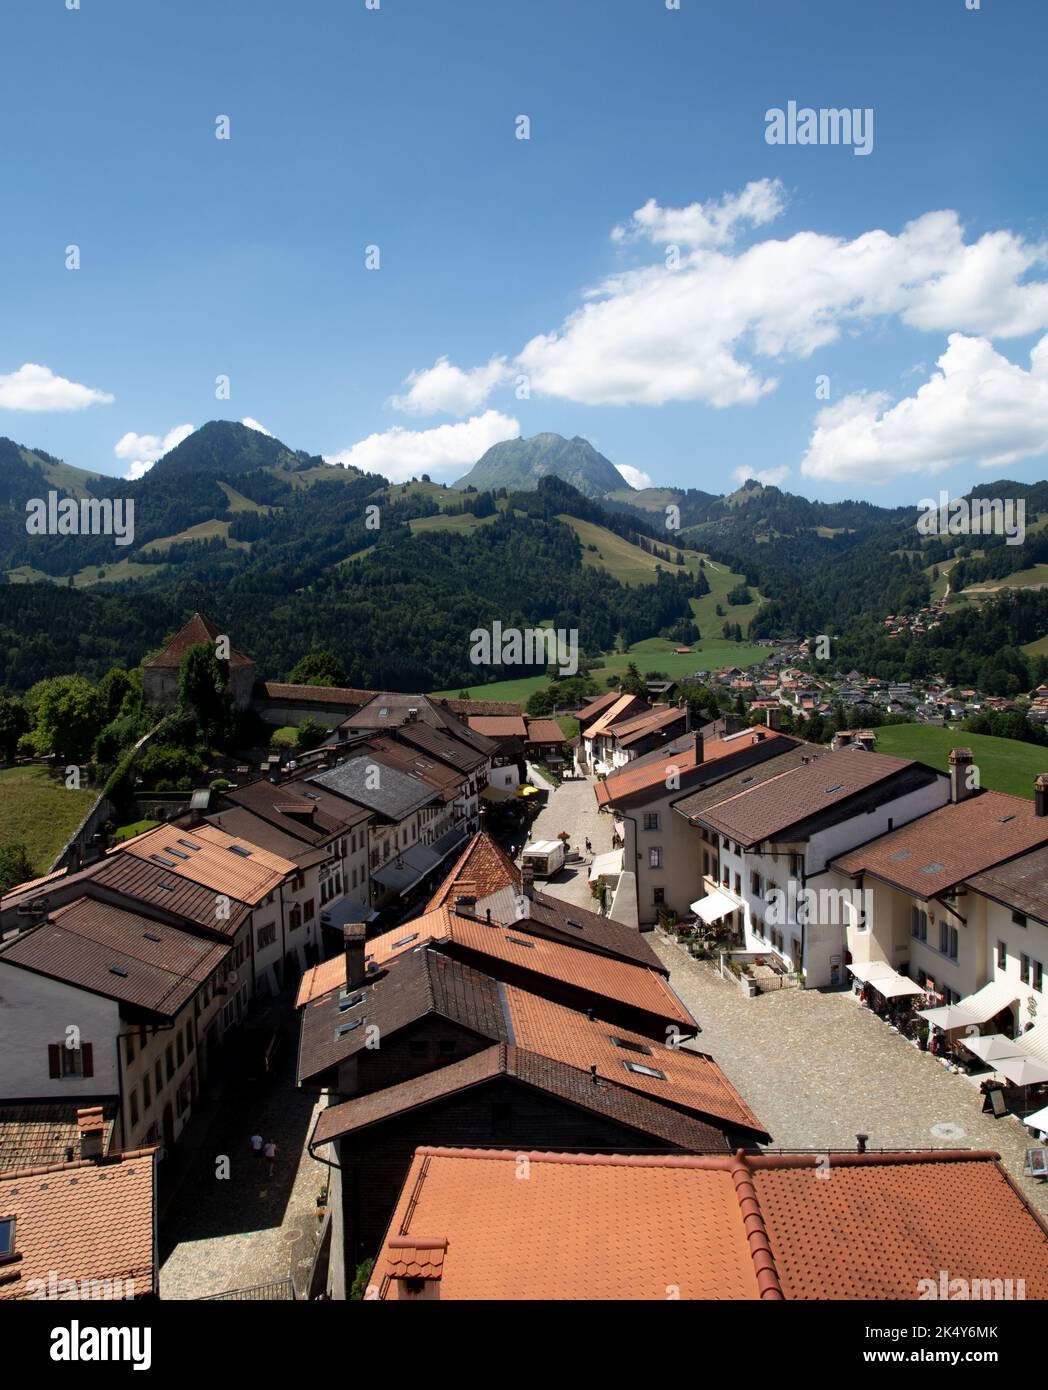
(770, 477)
(141, 451)
(398, 453)
(636, 477)
(714, 328)
(447, 389)
(713, 223)
(978, 408)
(34, 387)
(254, 425)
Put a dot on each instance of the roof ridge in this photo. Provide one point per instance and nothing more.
(108, 1160)
(756, 1231)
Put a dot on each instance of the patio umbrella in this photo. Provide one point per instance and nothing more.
(1038, 1120)
(1023, 1071)
(992, 1047)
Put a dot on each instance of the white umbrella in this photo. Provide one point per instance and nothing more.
(992, 1046)
(1023, 1071)
(1038, 1120)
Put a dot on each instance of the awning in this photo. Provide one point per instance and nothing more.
(407, 869)
(498, 793)
(979, 1007)
(1038, 1120)
(884, 979)
(1034, 1043)
(526, 789)
(606, 865)
(993, 1046)
(1022, 1071)
(345, 910)
(714, 906)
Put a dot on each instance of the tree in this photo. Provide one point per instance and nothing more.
(310, 733)
(202, 682)
(14, 722)
(67, 715)
(319, 667)
(113, 688)
(633, 682)
(15, 867)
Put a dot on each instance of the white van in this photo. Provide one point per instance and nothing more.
(545, 857)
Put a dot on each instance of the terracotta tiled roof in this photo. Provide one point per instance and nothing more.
(689, 1080)
(417, 1258)
(791, 754)
(589, 712)
(290, 810)
(546, 1074)
(485, 865)
(85, 1221)
(320, 694)
(223, 863)
(734, 1227)
(498, 725)
(41, 1133)
(320, 979)
(631, 730)
(117, 954)
(545, 731)
(1021, 884)
(651, 773)
(549, 916)
(145, 882)
(244, 825)
(462, 708)
(951, 844)
(198, 631)
(636, 985)
(796, 796)
(623, 706)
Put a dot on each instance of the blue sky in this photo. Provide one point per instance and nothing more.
(353, 127)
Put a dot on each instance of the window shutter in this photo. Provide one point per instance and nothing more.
(54, 1060)
(89, 1059)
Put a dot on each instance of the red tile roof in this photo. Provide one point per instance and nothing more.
(624, 705)
(498, 725)
(770, 1227)
(340, 696)
(951, 844)
(545, 731)
(198, 631)
(90, 1221)
(653, 773)
(485, 865)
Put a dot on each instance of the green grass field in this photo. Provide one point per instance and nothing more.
(1004, 764)
(38, 811)
(465, 522)
(1038, 648)
(133, 828)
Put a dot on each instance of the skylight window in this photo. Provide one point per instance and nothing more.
(238, 849)
(149, 936)
(166, 887)
(631, 1046)
(518, 942)
(189, 844)
(161, 860)
(118, 970)
(405, 939)
(1003, 820)
(933, 868)
(645, 1071)
(835, 788)
(900, 855)
(170, 849)
(350, 1003)
(7, 1235)
(344, 1028)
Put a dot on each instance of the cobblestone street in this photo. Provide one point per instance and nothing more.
(820, 1068)
(573, 807)
(246, 1229)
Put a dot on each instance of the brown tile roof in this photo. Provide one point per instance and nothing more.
(117, 954)
(485, 865)
(650, 774)
(637, 1112)
(639, 726)
(946, 846)
(320, 694)
(804, 792)
(403, 758)
(640, 987)
(392, 710)
(545, 731)
(498, 725)
(690, 1080)
(448, 747)
(793, 755)
(290, 810)
(589, 930)
(198, 631)
(1021, 884)
(624, 705)
(43, 1133)
(589, 712)
(85, 1221)
(732, 1227)
(320, 979)
(143, 881)
(221, 862)
(421, 983)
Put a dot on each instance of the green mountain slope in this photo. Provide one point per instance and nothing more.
(520, 463)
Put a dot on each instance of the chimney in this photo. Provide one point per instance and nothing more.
(353, 944)
(960, 765)
(413, 715)
(91, 1125)
(697, 744)
(1040, 795)
(416, 1264)
(861, 1141)
(527, 879)
(593, 1072)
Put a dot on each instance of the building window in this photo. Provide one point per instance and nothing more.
(1024, 969)
(72, 1062)
(309, 911)
(948, 940)
(1018, 919)
(147, 1092)
(655, 857)
(651, 820)
(129, 1048)
(738, 883)
(658, 896)
(918, 924)
(1038, 976)
(133, 1103)
(158, 1073)
(756, 885)
(1002, 954)
(294, 920)
(267, 935)
(180, 1049)
(170, 1055)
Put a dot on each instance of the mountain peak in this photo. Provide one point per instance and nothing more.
(520, 463)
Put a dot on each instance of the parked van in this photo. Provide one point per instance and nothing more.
(545, 857)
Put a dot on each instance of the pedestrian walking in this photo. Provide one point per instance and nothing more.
(256, 1145)
(271, 1155)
